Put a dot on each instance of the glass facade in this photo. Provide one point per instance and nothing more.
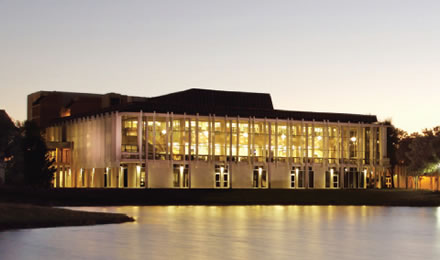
(255, 140)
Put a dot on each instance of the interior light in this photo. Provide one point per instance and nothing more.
(353, 139)
(319, 138)
(206, 133)
(283, 136)
(164, 131)
(245, 134)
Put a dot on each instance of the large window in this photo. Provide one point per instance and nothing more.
(220, 140)
(243, 141)
(129, 142)
(203, 140)
(261, 142)
(297, 143)
(318, 142)
(282, 142)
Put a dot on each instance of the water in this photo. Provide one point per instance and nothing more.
(239, 232)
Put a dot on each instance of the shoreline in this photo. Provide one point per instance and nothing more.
(25, 216)
(145, 197)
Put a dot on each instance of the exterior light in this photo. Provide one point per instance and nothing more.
(138, 168)
(319, 138)
(353, 139)
(245, 134)
(331, 171)
(260, 170)
(164, 131)
(181, 169)
(346, 169)
(222, 169)
(296, 170)
(283, 136)
(206, 133)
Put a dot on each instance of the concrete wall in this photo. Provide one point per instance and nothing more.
(202, 175)
(160, 174)
(279, 175)
(241, 175)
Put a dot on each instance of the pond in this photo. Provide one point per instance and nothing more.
(239, 232)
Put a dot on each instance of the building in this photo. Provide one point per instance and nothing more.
(216, 139)
(45, 106)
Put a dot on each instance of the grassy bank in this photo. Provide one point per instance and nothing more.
(103, 197)
(13, 216)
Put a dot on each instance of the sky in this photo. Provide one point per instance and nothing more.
(379, 57)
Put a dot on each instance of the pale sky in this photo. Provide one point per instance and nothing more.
(369, 57)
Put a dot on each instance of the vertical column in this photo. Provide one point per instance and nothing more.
(154, 136)
(341, 155)
(269, 126)
(171, 138)
(213, 138)
(196, 132)
(237, 146)
(276, 141)
(209, 138)
(167, 139)
(306, 165)
(139, 133)
(189, 151)
(250, 135)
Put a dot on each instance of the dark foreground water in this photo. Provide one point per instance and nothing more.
(239, 232)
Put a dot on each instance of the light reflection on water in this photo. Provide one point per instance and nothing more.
(239, 232)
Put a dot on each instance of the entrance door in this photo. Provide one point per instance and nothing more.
(221, 178)
(259, 179)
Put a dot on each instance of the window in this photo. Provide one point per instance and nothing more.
(311, 178)
(294, 173)
(180, 176)
(259, 177)
(221, 178)
(331, 178)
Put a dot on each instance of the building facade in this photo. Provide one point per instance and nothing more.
(219, 140)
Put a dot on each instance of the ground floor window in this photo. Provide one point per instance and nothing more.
(259, 179)
(180, 176)
(297, 177)
(221, 177)
(124, 172)
(332, 178)
(82, 177)
(311, 178)
(351, 178)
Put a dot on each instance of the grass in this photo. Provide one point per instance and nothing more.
(14, 216)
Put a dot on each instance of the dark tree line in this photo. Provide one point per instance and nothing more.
(420, 152)
(24, 153)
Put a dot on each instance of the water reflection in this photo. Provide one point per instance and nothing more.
(239, 232)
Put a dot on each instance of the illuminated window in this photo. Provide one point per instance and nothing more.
(221, 176)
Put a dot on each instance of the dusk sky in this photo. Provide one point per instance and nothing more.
(369, 57)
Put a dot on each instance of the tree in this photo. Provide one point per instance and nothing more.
(394, 137)
(38, 170)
